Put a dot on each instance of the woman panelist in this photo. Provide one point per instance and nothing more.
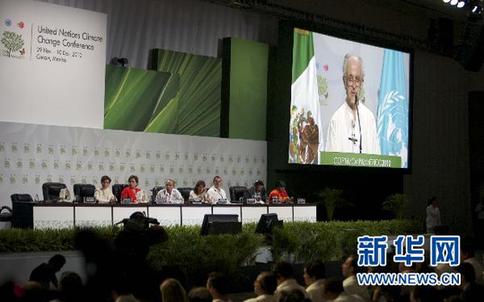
(132, 192)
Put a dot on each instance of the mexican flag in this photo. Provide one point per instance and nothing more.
(304, 95)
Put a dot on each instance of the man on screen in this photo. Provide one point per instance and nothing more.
(352, 127)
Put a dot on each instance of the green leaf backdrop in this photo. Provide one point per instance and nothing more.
(181, 96)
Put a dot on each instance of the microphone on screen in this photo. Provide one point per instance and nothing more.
(359, 122)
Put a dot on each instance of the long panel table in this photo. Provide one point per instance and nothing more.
(68, 215)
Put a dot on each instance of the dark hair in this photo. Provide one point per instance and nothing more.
(104, 178)
(219, 282)
(268, 282)
(198, 184)
(57, 261)
(133, 177)
(259, 183)
(284, 270)
(316, 270)
(216, 178)
(199, 294)
(71, 286)
(467, 271)
(333, 285)
(431, 199)
(468, 247)
(354, 264)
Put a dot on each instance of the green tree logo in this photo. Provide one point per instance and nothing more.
(13, 42)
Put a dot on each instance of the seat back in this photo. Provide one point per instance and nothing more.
(51, 190)
(154, 192)
(237, 193)
(117, 189)
(185, 192)
(21, 198)
(83, 190)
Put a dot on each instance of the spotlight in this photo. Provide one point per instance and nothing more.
(446, 1)
(461, 4)
(477, 9)
(453, 2)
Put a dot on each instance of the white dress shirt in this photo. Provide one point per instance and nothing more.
(315, 291)
(345, 297)
(352, 287)
(287, 286)
(344, 131)
(104, 196)
(214, 194)
(262, 298)
(174, 197)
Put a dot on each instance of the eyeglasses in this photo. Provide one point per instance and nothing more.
(356, 81)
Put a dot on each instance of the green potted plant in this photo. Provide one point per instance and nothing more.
(332, 199)
(397, 204)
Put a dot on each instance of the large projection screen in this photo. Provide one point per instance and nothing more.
(349, 103)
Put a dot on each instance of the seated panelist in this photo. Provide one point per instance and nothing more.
(258, 192)
(279, 193)
(169, 195)
(133, 192)
(105, 194)
(216, 194)
(199, 193)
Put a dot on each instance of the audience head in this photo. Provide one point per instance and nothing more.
(280, 184)
(217, 182)
(314, 271)
(199, 294)
(105, 182)
(283, 271)
(467, 248)
(350, 266)
(71, 287)
(217, 285)
(121, 286)
(133, 181)
(467, 272)
(265, 284)
(169, 185)
(172, 291)
(199, 187)
(294, 295)
(57, 262)
(333, 287)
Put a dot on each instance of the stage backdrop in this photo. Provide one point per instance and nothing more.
(33, 154)
(52, 64)
(191, 101)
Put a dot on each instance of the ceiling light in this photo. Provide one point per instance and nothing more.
(461, 4)
(453, 2)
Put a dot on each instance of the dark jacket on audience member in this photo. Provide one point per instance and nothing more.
(44, 274)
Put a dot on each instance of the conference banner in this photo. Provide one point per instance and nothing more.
(360, 160)
(52, 64)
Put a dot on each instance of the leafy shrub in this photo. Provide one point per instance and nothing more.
(331, 240)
